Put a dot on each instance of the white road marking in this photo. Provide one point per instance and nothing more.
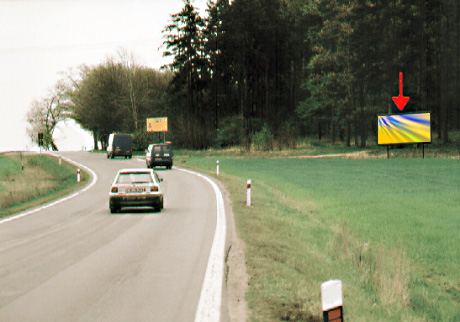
(48, 205)
(211, 292)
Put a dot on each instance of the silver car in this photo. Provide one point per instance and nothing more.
(136, 188)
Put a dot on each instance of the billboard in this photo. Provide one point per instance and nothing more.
(404, 128)
(157, 124)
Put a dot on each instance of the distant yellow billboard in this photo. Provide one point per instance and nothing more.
(157, 124)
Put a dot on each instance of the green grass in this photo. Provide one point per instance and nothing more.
(29, 180)
(389, 229)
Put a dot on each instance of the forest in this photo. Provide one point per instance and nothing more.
(301, 68)
(281, 70)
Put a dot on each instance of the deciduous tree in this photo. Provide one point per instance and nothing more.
(44, 114)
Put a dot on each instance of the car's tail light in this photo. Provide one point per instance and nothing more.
(154, 188)
(114, 189)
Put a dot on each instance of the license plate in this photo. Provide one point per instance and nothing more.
(135, 190)
(157, 159)
(134, 198)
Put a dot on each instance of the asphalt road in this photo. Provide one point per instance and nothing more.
(77, 262)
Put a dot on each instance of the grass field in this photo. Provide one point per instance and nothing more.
(27, 180)
(389, 229)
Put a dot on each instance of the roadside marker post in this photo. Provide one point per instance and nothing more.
(248, 193)
(78, 175)
(332, 301)
(60, 160)
(217, 167)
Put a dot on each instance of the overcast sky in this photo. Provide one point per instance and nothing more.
(40, 39)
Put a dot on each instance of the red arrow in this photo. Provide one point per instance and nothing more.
(400, 100)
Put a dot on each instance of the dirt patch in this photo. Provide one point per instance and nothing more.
(358, 154)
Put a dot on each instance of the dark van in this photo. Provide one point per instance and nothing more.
(159, 155)
(120, 145)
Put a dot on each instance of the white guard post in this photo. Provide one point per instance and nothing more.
(332, 301)
(217, 167)
(248, 193)
(78, 175)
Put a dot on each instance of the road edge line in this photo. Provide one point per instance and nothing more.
(50, 204)
(209, 305)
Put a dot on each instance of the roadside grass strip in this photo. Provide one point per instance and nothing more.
(30, 180)
(389, 229)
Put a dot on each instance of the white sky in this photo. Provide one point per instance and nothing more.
(39, 39)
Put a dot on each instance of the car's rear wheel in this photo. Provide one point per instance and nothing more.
(158, 206)
(113, 210)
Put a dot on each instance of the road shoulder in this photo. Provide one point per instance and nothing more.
(236, 276)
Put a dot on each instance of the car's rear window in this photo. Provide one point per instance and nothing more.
(157, 149)
(122, 140)
(134, 177)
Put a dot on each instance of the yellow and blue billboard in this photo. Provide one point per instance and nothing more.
(404, 128)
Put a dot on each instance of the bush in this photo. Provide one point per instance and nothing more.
(262, 140)
(231, 132)
(287, 134)
(142, 139)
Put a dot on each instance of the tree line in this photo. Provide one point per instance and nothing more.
(260, 71)
(325, 68)
(116, 96)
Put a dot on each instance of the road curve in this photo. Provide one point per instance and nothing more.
(77, 262)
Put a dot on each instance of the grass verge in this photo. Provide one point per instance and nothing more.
(28, 180)
(387, 228)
